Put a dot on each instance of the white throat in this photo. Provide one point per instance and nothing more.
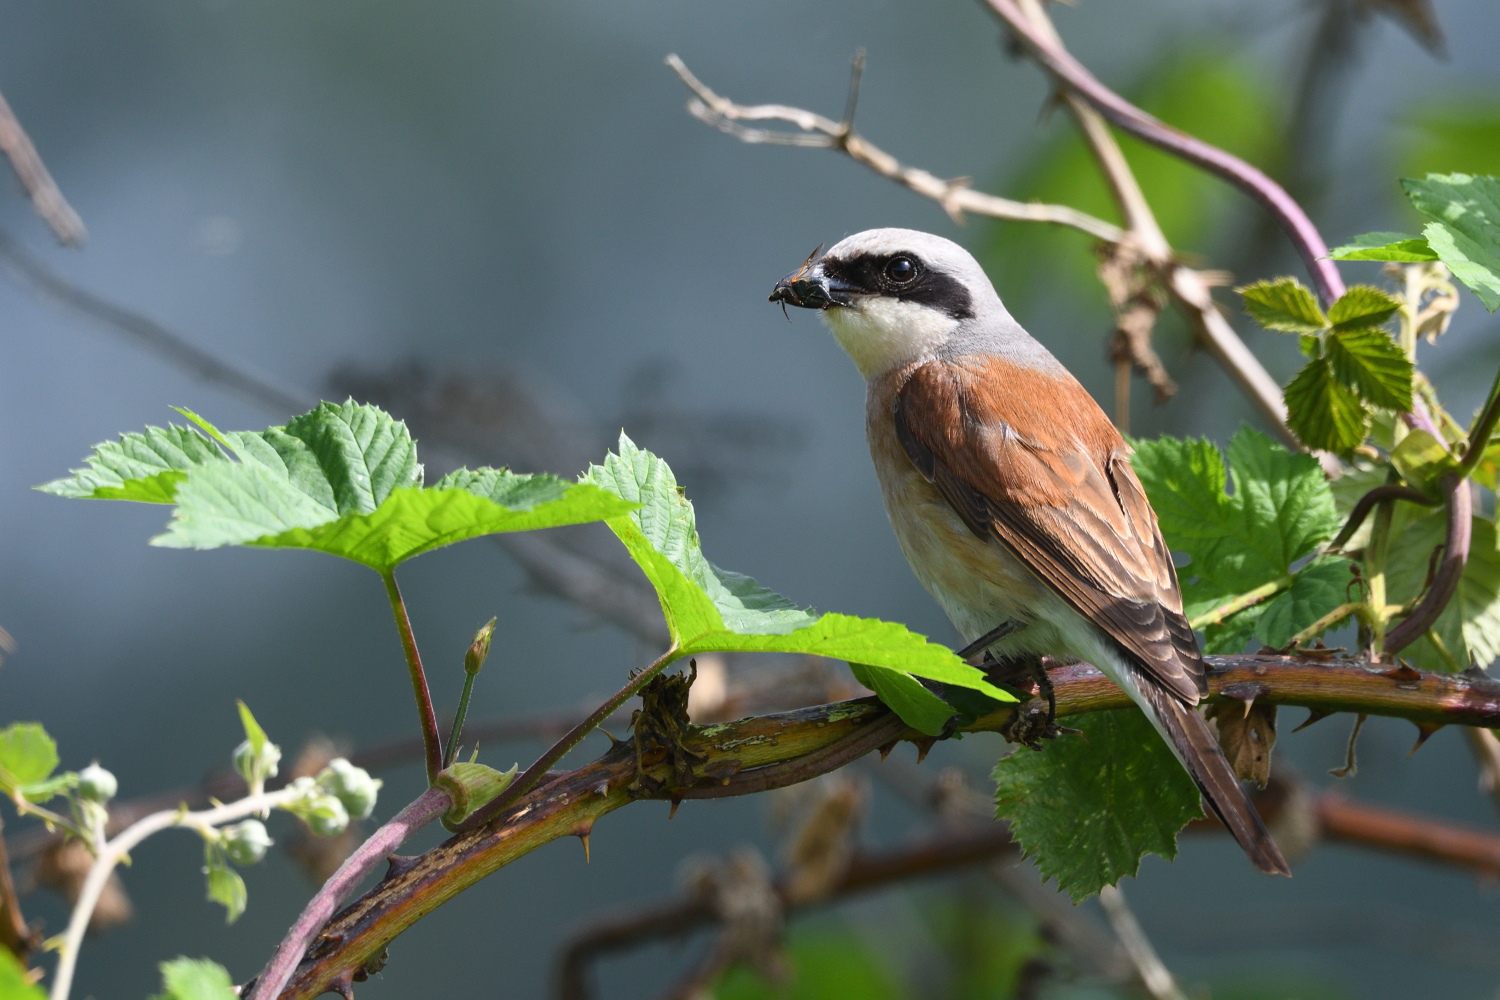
(881, 334)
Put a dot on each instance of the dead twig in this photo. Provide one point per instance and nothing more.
(45, 195)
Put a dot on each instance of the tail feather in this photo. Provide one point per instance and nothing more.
(1196, 747)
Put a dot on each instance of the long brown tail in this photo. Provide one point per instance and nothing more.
(1199, 751)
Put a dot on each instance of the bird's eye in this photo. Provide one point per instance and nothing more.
(901, 270)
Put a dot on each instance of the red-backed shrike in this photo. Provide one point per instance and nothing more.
(1011, 492)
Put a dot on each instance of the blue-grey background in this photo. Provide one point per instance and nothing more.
(515, 189)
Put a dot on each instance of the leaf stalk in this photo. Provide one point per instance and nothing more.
(431, 741)
(1248, 599)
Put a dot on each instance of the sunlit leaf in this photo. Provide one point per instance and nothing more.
(1316, 590)
(28, 756)
(1362, 307)
(1466, 236)
(1422, 461)
(1370, 363)
(1088, 807)
(145, 466)
(1323, 413)
(226, 888)
(1283, 304)
(709, 609)
(15, 984)
(904, 694)
(1384, 246)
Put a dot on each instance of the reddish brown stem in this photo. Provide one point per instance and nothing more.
(1445, 582)
(432, 743)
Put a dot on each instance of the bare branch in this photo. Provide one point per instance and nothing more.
(955, 196)
(1153, 972)
(45, 196)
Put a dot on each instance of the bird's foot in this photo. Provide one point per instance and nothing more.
(1031, 723)
(1035, 719)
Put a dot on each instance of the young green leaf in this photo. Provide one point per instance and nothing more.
(713, 610)
(225, 886)
(1323, 413)
(1469, 626)
(904, 694)
(15, 984)
(195, 979)
(1089, 807)
(1370, 363)
(1466, 236)
(1384, 246)
(1423, 460)
(1362, 307)
(28, 756)
(340, 479)
(1283, 304)
(253, 733)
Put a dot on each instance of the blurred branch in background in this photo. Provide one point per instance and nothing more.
(45, 195)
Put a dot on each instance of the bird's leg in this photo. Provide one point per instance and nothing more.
(1032, 720)
(984, 642)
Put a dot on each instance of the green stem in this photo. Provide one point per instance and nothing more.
(1375, 552)
(1325, 623)
(538, 770)
(1240, 603)
(1484, 427)
(458, 720)
(431, 741)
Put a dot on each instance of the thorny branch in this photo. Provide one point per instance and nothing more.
(770, 751)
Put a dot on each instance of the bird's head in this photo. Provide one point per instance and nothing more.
(895, 296)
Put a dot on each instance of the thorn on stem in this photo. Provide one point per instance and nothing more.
(923, 745)
(584, 837)
(399, 865)
(342, 984)
(886, 748)
(1424, 731)
(676, 801)
(1313, 715)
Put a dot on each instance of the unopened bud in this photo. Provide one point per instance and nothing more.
(96, 784)
(479, 649)
(352, 785)
(325, 815)
(245, 843)
(254, 767)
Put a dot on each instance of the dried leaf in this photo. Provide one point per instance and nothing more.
(1247, 732)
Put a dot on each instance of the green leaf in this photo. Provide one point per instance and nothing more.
(1466, 235)
(1470, 625)
(713, 610)
(1230, 636)
(1422, 461)
(822, 964)
(1089, 807)
(340, 479)
(253, 732)
(1384, 246)
(1371, 364)
(1283, 304)
(1362, 307)
(15, 984)
(195, 979)
(1322, 413)
(1316, 590)
(146, 466)
(225, 886)
(904, 694)
(28, 756)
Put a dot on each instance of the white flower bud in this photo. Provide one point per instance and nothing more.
(325, 815)
(96, 784)
(256, 768)
(245, 843)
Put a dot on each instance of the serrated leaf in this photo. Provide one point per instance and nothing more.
(340, 479)
(195, 979)
(1324, 414)
(15, 984)
(1361, 307)
(1466, 235)
(1422, 461)
(226, 888)
(1470, 625)
(145, 466)
(1370, 363)
(28, 756)
(713, 610)
(1384, 246)
(1089, 807)
(1230, 636)
(1283, 304)
(904, 694)
(1316, 590)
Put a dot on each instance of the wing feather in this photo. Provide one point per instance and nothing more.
(1059, 492)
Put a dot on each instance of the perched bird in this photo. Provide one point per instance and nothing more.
(1011, 492)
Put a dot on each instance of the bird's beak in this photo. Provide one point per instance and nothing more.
(810, 287)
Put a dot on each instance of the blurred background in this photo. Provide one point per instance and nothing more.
(498, 221)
